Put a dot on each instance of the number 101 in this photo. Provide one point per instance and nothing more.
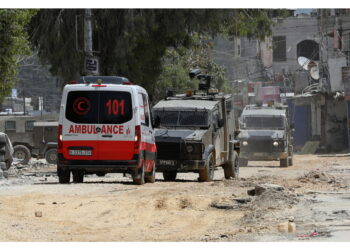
(114, 106)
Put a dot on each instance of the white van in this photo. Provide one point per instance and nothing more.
(105, 127)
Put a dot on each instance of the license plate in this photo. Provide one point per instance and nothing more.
(80, 152)
(167, 162)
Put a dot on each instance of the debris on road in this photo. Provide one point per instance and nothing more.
(262, 208)
(259, 189)
(317, 175)
(38, 214)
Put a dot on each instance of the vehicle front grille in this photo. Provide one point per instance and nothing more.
(168, 150)
(263, 146)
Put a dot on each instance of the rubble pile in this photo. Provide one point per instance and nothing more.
(23, 174)
(268, 197)
(317, 176)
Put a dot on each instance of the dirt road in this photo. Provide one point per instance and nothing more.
(316, 197)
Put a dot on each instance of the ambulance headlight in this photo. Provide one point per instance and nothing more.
(245, 143)
(275, 143)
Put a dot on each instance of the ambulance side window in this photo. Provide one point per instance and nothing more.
(144, 109)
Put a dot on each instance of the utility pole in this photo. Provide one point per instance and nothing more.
(88, 33)
(91, 65)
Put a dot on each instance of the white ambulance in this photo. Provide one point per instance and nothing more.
(105, 127)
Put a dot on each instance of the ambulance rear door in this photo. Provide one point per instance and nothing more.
(116, 124)
(79, 125)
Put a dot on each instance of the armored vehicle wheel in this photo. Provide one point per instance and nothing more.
(21, 152)
(284, 163)
(63, 175)
(78, 176)
(242, 162)
(207, 173)
(169, 175)
(231, 169)
(139, 175)
(151, 177)
(51, 156)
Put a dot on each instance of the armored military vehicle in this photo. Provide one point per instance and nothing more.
(265, 135)
(31, 136)
(195, 133)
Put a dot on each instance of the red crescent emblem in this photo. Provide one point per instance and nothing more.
(81, 105)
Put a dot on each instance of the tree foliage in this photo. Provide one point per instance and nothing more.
(133, 42)
(178, 62)
(13, 44)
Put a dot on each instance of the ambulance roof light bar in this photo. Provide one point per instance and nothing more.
(104, 79)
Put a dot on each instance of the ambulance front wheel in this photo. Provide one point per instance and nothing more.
(63, 175)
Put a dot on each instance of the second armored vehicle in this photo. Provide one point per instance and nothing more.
(265, 135)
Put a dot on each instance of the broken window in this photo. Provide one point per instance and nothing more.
(279, 48)
(308, 49)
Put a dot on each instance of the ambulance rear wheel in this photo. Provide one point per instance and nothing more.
(139, 175)
(78, 176)
(151, 176)
(63, 175)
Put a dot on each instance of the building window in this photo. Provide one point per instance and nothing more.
(29, 125)
(10, 125)
(279, 48)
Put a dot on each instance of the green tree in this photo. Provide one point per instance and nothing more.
(178, 62)
(133, 42)
(13, 45)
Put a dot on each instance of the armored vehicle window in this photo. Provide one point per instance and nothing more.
(182, 118)
(190, 118)
(263, 122)
(10, 125)
(167, 118)
(29, 125)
